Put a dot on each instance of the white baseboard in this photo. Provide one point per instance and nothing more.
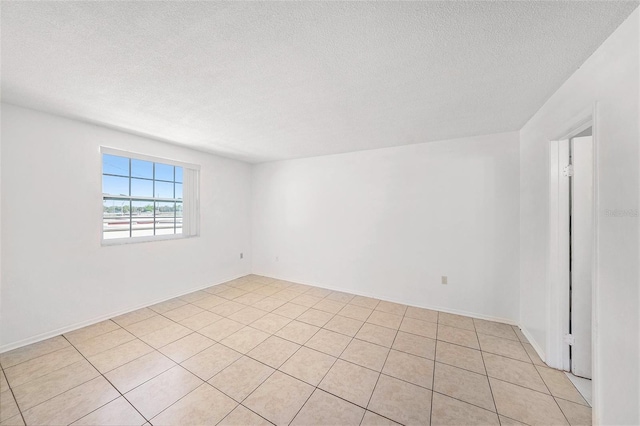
(535, 344)
(72, 327)
(432, 307)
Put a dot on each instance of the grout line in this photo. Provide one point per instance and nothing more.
(433, 375)
(13, 395)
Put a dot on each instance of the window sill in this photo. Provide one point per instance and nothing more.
(137, 240)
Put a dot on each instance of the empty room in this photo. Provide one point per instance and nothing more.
(320, 213)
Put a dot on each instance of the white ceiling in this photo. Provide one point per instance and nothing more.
(275, 80)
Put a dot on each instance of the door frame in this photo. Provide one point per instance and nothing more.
(557, 355)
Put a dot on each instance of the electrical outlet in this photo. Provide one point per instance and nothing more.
(445, 279)
(241, 255)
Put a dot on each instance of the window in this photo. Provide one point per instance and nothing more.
(144, 198)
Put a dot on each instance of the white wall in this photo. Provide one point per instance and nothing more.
(390, 222)
(610, 77)
(55, 273)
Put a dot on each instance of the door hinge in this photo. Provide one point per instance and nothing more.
(569, 339)
(567, 171)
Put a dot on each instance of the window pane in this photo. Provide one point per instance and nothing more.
(113, 185)
(141, 169)
(164, 172)
(114, 165)
(178, 174)
(115, 219)
(178, 218)
(178, 191)
(165, 218)
(164, 189)
(141, 188)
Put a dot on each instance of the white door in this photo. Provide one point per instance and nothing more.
(582, 230)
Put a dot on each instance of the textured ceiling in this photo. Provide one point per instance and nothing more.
(275, 80)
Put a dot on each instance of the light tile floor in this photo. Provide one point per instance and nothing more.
(257, 351)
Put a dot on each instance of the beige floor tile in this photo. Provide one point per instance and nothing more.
(120, 355)
(344, 325)
(385, 319)
(379, 335)
(149, 325)
(315, 317)
(184, 311)
(365, 354)
(138, 371)
(286, 294)
(211, 361)
(509, 348)
(215, 289)
(458, 336)
(329, 342)
(308, 365)
(415, 345)
(186, 347)
(514, 371)
(35, 350)
(266, 290)
(297, 332)
(410, 368)
(134, 317)
(419, 327)
(279, 398)
(300, 288)
(463, 385)
(211, 302)
(13, 421)
(533, 355)
(458, 321)
(460, 356)
(8, 406)
(452, 412)
(350, 381)
(247, 315)
(496, 329)
(560, 385)
(422, 314)
(526, 405)
(201, 320)
(3, 382)
(38, 367)
(196, 295)
(330, 306)
(245, 339)
(167, 305)
(306, 300)
(290, 310)
(506, 421)
(520, 334)
(577, 414)
(72, 405)
(401, 401)
(104, 342)
(227, 308)
(355, 312)
(116, 413)
(318, 292)
(59, 381)
(205, 405)
(365, 302)
(274, 351)
(249, 298)
(324, 409)
(166, 335)
(242, 416)
(271, 323)
(91, 331)
(221, 329)
(232, 293)
(391, 308)
(241, 378)
(338, 296)
(372, 419)
(157, 394)
(269, 304)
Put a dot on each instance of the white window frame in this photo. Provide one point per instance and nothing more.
(190, 199)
